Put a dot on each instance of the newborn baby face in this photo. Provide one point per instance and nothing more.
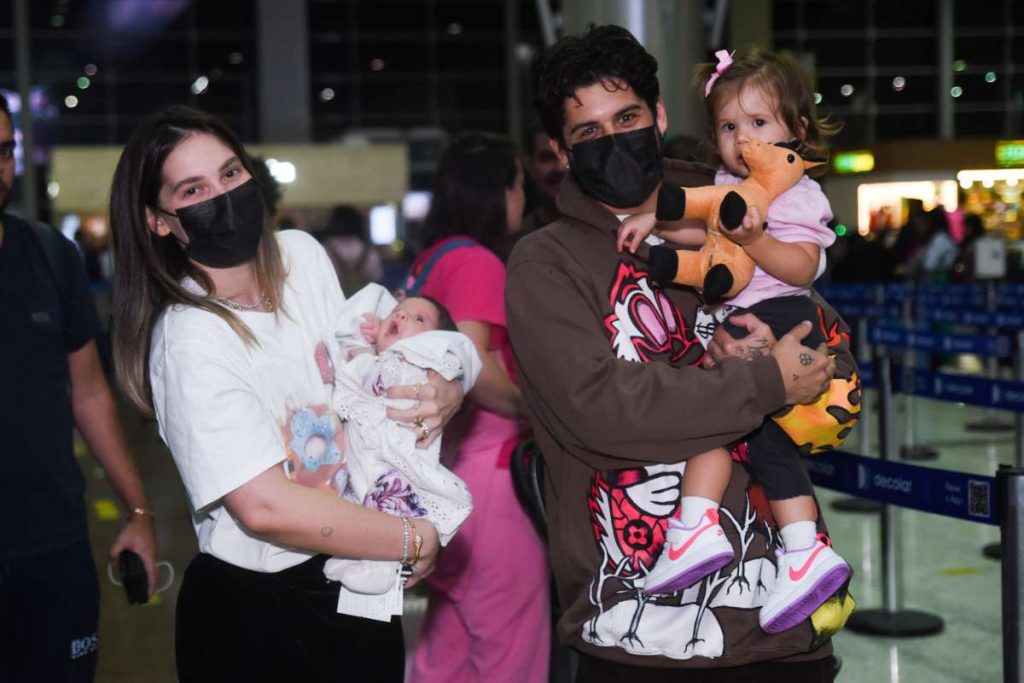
(411, 316)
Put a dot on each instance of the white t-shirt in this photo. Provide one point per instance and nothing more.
(228, 411)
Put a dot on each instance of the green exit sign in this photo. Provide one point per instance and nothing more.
(853, 162)
(1010, 153)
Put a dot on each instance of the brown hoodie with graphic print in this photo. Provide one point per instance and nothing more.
(607, 362)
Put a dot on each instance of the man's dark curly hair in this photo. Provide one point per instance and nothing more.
(603, 54)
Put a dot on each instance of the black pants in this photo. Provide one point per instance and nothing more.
(594, 670)
(774, 458)
(239, 625)
(49, 617)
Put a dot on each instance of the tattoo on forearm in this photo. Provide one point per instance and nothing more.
(326, 531)
(806, 359)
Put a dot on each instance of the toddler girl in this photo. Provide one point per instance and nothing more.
(766, 97)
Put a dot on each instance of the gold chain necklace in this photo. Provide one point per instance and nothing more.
(263, 300)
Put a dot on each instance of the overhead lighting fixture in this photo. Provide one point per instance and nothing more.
(282, 171)
(991, 175)
(861, 161)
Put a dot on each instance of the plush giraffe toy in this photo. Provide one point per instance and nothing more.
(721, 268)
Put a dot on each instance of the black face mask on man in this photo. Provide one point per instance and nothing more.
(620, 170)
(224, 231)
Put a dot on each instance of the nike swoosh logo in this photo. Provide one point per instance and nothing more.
(675, 553)
(797, 575)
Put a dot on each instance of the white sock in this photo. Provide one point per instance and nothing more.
(799, 535)
(694, 508)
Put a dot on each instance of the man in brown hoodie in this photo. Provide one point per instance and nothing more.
(608, 362)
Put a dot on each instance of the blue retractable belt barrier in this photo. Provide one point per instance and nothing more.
(868, 310)
(970, 316)
(943, 492)
(899, 338)
(976, 295)
(975, 391)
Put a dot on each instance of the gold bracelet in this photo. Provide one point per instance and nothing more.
(417, 542)
(141, 512)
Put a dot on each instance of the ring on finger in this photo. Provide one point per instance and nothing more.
(418, 421)
(424, 432)
(418, 387)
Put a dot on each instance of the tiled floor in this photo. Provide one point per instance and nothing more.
(942, 570)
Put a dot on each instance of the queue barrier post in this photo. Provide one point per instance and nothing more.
(990, 422)
(1010, 482)
(864, 423)
(891, 620)
(911, 450)
(1019, 415)
(995, 550)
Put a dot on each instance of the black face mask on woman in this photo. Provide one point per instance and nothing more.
(224, 231)
(620, 170)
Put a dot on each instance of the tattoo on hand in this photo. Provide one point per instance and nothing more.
(757, 347)
(326, 531)
(805, 359)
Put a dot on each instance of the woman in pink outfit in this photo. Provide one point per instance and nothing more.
(488, 617)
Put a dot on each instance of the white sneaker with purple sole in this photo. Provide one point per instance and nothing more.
(805, 579)
(689, 555)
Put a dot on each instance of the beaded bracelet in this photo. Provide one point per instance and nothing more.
(405, 540)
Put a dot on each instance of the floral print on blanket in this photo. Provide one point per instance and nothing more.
(393, 495)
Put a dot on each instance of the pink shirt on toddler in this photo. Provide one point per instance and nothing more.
(800, 214)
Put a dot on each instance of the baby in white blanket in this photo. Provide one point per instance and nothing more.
(388, 470)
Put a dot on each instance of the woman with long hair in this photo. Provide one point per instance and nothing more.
(222, 330)
(488, 615)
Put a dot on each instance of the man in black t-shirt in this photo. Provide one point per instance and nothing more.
(51, 381)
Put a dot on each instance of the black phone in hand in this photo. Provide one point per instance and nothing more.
(133, 576)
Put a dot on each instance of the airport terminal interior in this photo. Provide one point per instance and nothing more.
(351, 102)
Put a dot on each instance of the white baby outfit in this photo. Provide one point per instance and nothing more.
(387, 470)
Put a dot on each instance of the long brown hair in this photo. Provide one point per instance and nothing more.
(784, 82)
(470, 185)
(149, 268)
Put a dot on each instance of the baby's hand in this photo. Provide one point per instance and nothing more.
(634, 230)
(369, 327)
(749, 231)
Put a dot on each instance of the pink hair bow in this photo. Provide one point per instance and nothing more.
(724, 62)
